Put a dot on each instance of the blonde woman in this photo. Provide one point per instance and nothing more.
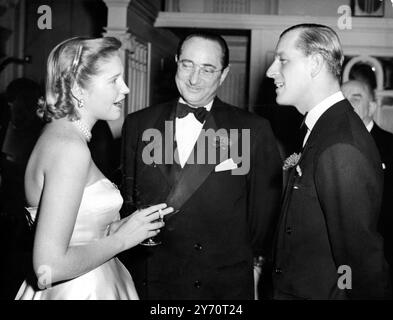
(75, 208)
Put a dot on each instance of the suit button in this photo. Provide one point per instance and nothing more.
(144, 283)
(197, 284)
(278, 271)
(288, 230)
(197, 246)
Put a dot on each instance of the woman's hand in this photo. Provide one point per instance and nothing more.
(140, 225)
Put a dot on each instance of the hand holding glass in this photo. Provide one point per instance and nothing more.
(146, 222)
(153, 241)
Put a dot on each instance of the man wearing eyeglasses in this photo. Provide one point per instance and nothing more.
(225, 206)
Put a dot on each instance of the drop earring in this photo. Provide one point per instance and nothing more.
(80, 103)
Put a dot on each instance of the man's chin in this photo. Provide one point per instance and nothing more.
(281, 101)
(285, 100)
(194, 102)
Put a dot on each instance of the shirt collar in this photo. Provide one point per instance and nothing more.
(315, 113)
(207, 107)
(370, 126)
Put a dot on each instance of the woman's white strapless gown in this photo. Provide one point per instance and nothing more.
(99, 207)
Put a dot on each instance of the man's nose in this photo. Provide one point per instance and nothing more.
(124, 88)
(272, 71)
(194, 75)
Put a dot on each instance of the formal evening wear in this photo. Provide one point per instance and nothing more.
(188, 128)
(221, 220)
(183, 110)
(99, 207)
(329, 215)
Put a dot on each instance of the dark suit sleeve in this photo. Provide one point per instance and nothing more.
(384, 141)
(349, 189)
(128, 165)
(265, 180)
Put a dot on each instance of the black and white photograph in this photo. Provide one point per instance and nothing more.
(225, 152)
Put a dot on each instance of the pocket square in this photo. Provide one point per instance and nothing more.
(226, 165)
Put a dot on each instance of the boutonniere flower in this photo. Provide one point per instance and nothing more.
(292, 161)
(222, 141)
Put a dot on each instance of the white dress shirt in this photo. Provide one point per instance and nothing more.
(370, 126)
(187, 133)
(315, 113)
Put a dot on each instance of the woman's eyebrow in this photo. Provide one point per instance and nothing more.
(114, 76)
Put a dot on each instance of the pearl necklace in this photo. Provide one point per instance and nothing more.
(83, 128)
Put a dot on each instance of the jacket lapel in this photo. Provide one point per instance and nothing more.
(323, 123)
(195, 172)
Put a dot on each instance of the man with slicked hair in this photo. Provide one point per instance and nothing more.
(326, 245)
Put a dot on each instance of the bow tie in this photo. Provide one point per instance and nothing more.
(183, 110)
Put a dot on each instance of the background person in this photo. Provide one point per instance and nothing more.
(361, 96)
(21, 130)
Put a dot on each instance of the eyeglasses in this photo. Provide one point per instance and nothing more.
(187, 66)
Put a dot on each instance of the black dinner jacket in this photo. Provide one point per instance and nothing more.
(384, 142)
(207, 247)
(330, 213)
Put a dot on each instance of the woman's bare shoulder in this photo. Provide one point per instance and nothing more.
(59, 141)
(59, 155)
(58, 147)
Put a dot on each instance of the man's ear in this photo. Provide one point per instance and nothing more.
(176, 58)
(372, 107)
(224, 74)
(317, 63)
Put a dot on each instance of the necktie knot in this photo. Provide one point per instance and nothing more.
(183, 110)
(304, 131)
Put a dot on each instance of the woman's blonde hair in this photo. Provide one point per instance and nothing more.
(72, 61)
